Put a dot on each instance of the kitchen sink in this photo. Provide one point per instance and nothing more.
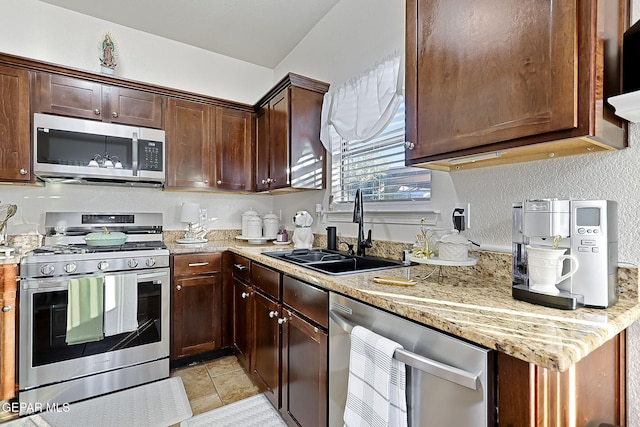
(333, 262)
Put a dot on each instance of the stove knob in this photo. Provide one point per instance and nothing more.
(103, 265)
(151, 262)
(71, 267)
(132, 263)
(47, 269)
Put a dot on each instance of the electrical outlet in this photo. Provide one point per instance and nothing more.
(461, 216)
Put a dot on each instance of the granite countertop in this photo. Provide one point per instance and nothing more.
(476, 308)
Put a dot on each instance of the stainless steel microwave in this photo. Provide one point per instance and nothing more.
(86, 151)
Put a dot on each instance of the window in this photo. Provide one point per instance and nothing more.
(376, 165)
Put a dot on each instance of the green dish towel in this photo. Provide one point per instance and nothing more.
(85, 310)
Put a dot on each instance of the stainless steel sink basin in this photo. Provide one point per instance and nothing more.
(333, 262)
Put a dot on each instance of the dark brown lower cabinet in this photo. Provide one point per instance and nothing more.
(289, 339)
(242, 322)
(304, 372)
(8, 310)
(266, 349)
(196, 304)
(590, 393)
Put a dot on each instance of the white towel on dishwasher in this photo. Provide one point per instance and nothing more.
(120, 304)
(376, 391)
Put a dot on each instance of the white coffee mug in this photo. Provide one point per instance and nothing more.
(545, 268)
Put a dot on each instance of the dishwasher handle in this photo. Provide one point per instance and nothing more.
(440, 370)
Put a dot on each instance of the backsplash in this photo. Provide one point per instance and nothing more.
(491, 265)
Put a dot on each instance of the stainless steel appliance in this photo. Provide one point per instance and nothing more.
(588, 230)
(449, 382)
(50, 369)
(86, 151)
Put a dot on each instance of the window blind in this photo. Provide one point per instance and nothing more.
(376, 165)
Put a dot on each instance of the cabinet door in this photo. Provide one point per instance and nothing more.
(308, 155)
(233, 150)
(7, 331)
(242, 322)
(134, 107)
(266, 347)
(196, 315)
(188, 132)
(279, 140)
(304, 373)
(15, 140)
(67, 96)
(262, 149)
(471, 84)
(590, 393)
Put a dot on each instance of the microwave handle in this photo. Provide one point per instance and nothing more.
(134, 153)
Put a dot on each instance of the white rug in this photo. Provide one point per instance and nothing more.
(157, 404)
(255, 411)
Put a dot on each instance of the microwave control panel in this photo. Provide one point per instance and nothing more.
(150, 156)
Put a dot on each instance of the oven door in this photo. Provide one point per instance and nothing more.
(45, 357)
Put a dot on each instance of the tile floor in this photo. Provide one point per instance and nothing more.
(215, 383)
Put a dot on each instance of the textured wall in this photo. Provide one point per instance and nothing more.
(614, 176)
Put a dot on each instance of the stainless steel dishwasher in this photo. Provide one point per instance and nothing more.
(449, 381)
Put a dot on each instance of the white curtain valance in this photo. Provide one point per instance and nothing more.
(362, 107)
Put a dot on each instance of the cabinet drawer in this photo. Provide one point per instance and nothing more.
(266, 280)
(192, 264)
(241, 268)
(307, 300)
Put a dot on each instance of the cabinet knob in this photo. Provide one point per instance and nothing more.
(282, 320)
(219, 182)
(265, 181)
(273, 314)
(272, 180)
(6, 308)
(114, 114)
(240, 267)
(96, 111)
(206, 181)
(23, 171)
(409, 145)
(179, 287)
(245, 295)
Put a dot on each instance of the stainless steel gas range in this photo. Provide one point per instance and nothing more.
(93, 319)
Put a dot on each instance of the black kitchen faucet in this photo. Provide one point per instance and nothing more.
(358, 217)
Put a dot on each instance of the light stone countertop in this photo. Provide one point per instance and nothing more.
(475, 305)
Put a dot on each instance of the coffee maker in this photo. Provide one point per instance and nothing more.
(588, 230)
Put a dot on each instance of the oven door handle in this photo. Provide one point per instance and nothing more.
(430, 366)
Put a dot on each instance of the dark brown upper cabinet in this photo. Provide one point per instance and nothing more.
(517, 80)
(15, 131)
(289, 154)
(209, 148)
(86, 99)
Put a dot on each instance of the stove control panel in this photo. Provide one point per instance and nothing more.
(105, 262)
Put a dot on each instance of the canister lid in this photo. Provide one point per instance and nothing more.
(250, 212)
(454, 238)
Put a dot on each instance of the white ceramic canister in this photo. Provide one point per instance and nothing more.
(270, 224)
(254, 227)
(453, 247)
(246, 215)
